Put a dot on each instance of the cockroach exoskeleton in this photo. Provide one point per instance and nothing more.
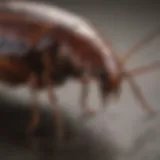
(42, 30)
(27, 55)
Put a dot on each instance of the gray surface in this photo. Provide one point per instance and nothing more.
(14, 144)
(123, 124)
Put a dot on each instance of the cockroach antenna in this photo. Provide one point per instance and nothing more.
(124, 58)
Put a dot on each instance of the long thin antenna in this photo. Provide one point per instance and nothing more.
(125, 57)
(145, 69)
(138, 94)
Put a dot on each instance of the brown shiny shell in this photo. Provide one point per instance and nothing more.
(19, 32)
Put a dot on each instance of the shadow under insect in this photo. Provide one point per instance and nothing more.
(14, 118)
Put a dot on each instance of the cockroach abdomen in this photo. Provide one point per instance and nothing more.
(11, 46)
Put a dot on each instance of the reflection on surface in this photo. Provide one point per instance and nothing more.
(14, 144)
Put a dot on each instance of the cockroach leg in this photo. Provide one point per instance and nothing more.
(85, 81)
(48, 82)
(104, 97)
(34, 110)
(137, 92)
(57, 115)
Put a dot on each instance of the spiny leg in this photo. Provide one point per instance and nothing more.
(103, 93)
(47, 79)
(57, 115)
(85, 82)
(137, 92)
(35, 115)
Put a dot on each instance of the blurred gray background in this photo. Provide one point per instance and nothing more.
(123, 130)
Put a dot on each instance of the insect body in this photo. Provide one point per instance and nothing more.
(23, 58)
(42, 29)
(89, 51)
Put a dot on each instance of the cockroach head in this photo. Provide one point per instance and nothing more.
(110, 81)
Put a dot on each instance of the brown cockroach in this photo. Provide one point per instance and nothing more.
(29, 32)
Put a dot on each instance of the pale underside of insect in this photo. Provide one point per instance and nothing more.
(89, 50)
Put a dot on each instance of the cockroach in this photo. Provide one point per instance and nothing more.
(30, 34)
